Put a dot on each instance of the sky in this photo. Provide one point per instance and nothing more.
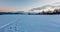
(22, 5)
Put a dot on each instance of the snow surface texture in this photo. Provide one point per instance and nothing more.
(29, 23)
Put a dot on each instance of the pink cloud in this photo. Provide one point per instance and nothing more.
(6, 10)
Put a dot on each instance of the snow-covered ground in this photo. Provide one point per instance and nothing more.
(30, 23)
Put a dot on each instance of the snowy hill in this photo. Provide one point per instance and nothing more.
(46, 8)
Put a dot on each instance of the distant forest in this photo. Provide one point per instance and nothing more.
(56, 11)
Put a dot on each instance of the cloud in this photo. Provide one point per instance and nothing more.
(13, 10)
(6, 10)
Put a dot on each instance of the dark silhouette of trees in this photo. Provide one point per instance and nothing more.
(56, 11)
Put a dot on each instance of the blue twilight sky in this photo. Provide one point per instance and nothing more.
(24, 4)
